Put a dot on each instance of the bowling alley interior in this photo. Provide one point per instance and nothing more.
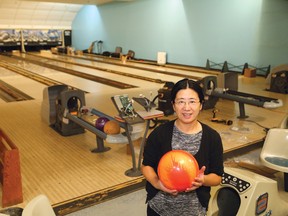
(84, 82)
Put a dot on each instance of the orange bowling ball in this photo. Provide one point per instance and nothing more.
(177, 170)
(111, 127)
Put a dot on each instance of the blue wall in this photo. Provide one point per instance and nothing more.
(190, 31)
(85, 27)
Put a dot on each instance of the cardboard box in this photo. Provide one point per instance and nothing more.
(250, 72)
(79, 52)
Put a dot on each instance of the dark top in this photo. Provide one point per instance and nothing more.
(210, 155)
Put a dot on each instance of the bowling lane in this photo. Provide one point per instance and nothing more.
(24, 84)
(84, 84)
(91, 86)
(149, 65)
(92, 71)
(159, 72)
(126, 79)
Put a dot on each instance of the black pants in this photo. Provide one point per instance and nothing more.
(151, 212)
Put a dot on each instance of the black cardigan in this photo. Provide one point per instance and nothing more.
(210, 155)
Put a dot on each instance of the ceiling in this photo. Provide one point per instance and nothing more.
(46, 14)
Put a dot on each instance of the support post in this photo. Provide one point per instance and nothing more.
(286, 182)
(143, 144)
(244, 67)
(100, 145)
(268, 71)
(225, 67)
(208, 64)
(133, 172)
(242, 111)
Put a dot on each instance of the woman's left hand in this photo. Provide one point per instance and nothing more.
(199, 180)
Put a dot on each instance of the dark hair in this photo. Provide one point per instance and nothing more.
(184, 84)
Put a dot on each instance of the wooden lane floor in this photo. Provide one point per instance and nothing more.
(10, 94)
(106, 74)
(104, 68)
(64, 168)
(73, 72)
(49, 165)
(24, 84)
(77, 82)
(10, 68)
(145, 64)
(134, 68)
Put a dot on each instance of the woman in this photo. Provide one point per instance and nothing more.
(185, 133)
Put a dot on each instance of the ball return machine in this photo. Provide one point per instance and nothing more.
(64, 108)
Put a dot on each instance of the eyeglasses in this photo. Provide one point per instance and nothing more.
(182, 103)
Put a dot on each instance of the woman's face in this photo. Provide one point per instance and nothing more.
(187, 105)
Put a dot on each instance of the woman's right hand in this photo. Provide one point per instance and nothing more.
(154, 180)
(166, 190)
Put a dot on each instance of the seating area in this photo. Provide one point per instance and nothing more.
(39, 206)
(275, 150)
